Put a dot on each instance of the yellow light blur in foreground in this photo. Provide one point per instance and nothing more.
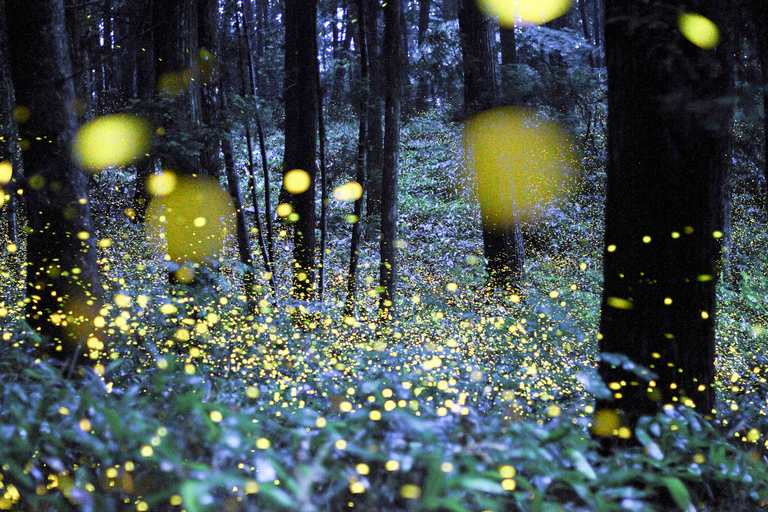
(351, 191)
(519, 160)
(6, 172)
(524, 12)
(161, 184)
(196, 217)
(296, 181)
(699, 30)
(111, 141)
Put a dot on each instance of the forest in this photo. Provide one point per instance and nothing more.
(399, 255)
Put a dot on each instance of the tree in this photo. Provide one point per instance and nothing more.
(375, 113)
(64, 290)
(668, 132)
(301, 133)
(389, 172)
(175, 32)
(360, 171)
(502, 241)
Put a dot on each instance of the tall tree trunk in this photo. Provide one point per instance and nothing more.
(663, 209)
(389, 172)
(422, 88)
(508, 45)
(175, 53)
(208, 77)
(586, 30)
(360, 173)
(502, 240)
(375, 114)
(301, 134)
(63, 286)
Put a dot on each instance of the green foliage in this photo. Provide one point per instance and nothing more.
(469, 401)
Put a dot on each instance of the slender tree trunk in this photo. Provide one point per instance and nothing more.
(301, 134)
(663, 209)
(243, 240)
(375, 126)
(360, 173)
(586, 29)
(323, 192)
(63, 286)
(268, 266)
(389, 174)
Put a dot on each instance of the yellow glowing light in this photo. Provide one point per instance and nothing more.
(410, 492)
(111, 141)
(296, 181)
(284, 210)
(6, 172)
(161, 184)
(122, 300)
(524, 12)
(699, 30)
(192, 199)
(619, 303)
(520, 162)
(216, 416)
(351, 191)
(605, 422)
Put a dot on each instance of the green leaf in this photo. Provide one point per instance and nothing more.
(678, 491)
(582, 465)
(481, 484)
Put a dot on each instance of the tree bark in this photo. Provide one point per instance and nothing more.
(508, 46)
(502, 240)
(301, 134)
(389, 172)
(668, 132)
(375, 126)
(64, 292)
(360, 174)
(208, 77)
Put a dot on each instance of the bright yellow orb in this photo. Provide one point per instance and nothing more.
(699, 30)
(520, 162)
(111, 141)
(6, 172)
(524, 12)
(296, 181)
(351, 191)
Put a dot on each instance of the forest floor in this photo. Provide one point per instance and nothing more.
(467, 401)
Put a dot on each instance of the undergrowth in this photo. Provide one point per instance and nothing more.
(468, 401)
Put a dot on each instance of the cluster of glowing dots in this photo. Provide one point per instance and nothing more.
(524, 12)
(111, 141)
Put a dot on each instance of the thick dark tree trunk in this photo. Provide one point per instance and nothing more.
(508, 45)
(63, 287)
(668, 133)
(208, 77)
(301, 134)
(389, 173)
(175, 52)
(502, 240)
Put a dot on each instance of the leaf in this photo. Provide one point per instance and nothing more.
(651, 447)
(481, 484)
(582, 465)
(678, 491)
